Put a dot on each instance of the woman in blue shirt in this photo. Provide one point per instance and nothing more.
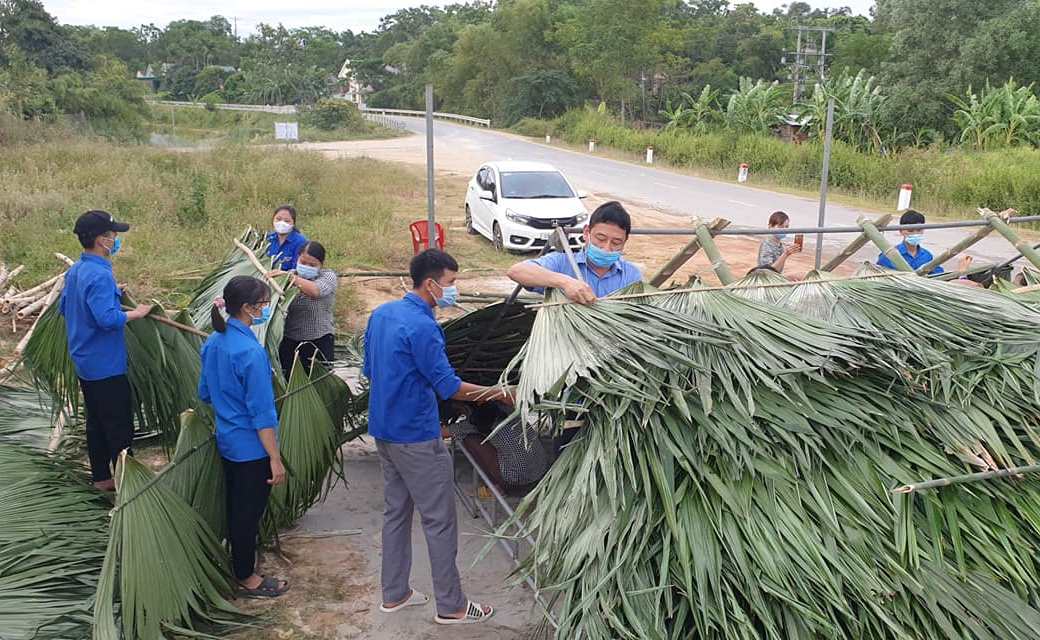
(236, 381)
(286, 241)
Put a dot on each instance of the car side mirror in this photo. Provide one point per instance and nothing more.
(487, 195)
(583, 194)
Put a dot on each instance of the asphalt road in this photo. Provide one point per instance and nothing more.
(678, 194)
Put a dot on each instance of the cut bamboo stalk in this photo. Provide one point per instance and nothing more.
(64, 258)
(851, 248)
(970, 477)
(51, 297)
(44, 288)
(1028, 289)
(954, 250)
(259, 266)
(685, 254)
(875, 236)
(718, 263)
(40, 303)
(9, 275)
(173, 323)
(772, 285)
(58, 429)
(1004, 229)
(561, 237)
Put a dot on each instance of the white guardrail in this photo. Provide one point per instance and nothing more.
(484, 122)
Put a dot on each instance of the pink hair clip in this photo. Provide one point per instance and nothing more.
(218, 302)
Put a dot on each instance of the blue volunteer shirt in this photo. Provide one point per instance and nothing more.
(285, 254)
(923, 257)
(407, 366)
(94, 319)
(236, 381)
(621, 274)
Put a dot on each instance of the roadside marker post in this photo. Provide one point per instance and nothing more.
(548, 139)
(592, 146)
(431, 225)
(742, 173)
(904, 197)
(650, 155)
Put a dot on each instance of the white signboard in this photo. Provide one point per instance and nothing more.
(286, 131)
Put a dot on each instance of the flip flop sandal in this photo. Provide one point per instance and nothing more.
(268, 588)
(474, 614)
(417, 599)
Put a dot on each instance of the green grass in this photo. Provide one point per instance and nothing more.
(947, 182)
(185, 207)
(191, 125)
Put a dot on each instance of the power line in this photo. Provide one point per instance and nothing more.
(809, 59)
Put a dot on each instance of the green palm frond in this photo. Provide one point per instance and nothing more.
(196, 473)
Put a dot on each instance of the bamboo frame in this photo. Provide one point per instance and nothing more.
(772, 285)
(858, 243)
(564, 241)
(1004, 229)
(259, 266)
(718, 263)
(686, 253)
(964, 479)
(925, 269)
(887, 249)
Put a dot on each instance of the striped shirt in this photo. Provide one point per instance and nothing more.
(311, 318)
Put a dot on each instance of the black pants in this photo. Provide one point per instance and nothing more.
(247, 493)
(110, 422)
(324, 347)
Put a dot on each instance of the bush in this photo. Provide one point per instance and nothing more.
(211, 100)
(534, 128)
(331, 113)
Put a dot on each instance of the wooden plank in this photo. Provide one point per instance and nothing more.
(685, 254)
(854, 246)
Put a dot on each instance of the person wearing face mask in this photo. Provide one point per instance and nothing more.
(95, 324)
(601, 263)
(408, 370)
(772, 252)
(236, 381)
(286, 241)
(910, 248)
(309, 324)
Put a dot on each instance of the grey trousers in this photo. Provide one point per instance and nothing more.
(420, 475)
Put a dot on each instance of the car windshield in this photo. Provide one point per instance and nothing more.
(535, 184)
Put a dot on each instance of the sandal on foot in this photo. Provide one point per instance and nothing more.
(474, 613)
(268, 588)
(415, 600)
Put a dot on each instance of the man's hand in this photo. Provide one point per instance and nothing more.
(507, 396)
(277, 472)
(139, 312)
(578, 291)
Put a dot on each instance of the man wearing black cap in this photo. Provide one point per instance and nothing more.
(94, 322)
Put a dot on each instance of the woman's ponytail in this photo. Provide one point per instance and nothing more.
(239, 291)
(217, 319)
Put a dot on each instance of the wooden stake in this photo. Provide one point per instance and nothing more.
(173, 323)
(686, 253)
(259, 266)
(871, 231)
(854, 246)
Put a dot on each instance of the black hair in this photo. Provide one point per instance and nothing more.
(431, 263)
(314, 249)
(762, 267)
(286, 207)
(911, 217)
(239, 291)
(612, 213)
(86, 240)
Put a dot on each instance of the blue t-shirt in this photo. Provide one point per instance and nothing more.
(236, 381)
(620, 274)
(94, 319)
(407, 366)
(923, 257)
(285, 254)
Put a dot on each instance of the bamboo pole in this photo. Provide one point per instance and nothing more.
(64, 258)
(51, 297)
(7, 276)
(37, 305)
(871, 231)
(854, 246)
(772, 285)
(954, 250)
(173, 323)
(259, 266)
(718, 263)
(561, 237)
(998, 222)
(686, 253)
(43, 288)
(970, 477)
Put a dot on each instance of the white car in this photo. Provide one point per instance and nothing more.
(518, 205)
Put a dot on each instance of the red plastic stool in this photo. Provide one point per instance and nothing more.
(421, 236)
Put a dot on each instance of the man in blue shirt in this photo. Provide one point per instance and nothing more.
(910, 248)
(600, 264)
(95, 322)
(408, 370)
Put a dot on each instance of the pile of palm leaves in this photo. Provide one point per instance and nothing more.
(734, 478)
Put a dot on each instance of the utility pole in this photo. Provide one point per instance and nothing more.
(824, 178)
(431, 224)
(809, 59)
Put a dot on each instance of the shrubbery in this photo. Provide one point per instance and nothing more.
(330, 114)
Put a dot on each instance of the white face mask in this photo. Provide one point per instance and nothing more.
(282, 227)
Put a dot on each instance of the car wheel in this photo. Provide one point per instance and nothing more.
(469, 222)
(496, 231)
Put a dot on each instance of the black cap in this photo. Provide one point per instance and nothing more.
(94, 223)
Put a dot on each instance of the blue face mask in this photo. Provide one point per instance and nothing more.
(781, 236)
(914, 240)
(449, 295)
(306, 271)
(600, 258)
(117, 244)
(265, 315)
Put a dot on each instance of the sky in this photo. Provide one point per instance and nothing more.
(339, 15)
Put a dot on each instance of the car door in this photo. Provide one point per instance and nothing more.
(491, 206)
(478, 206)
